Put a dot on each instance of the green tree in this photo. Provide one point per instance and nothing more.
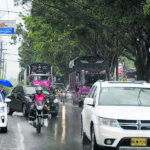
(60, 29)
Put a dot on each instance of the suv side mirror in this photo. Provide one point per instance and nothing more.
(89, 101)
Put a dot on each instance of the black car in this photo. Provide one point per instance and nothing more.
(53, 102)
(21, 97)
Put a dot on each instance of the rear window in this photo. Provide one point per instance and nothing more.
(30, 90)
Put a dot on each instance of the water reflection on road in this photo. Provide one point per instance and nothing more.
(63, 124)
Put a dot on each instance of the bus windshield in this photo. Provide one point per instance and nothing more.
(90, 79)
(40, 78)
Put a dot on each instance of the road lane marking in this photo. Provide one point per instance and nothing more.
(63, 125)
(21, 138)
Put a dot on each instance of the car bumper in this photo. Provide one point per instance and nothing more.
(121, 138)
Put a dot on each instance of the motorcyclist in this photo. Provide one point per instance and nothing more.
(39, 96)
(52, 90)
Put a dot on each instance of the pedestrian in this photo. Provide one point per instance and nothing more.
(124, 78)
(3, 92)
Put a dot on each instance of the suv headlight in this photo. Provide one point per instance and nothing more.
(108, 122)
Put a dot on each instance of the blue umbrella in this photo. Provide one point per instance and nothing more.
(5, 83)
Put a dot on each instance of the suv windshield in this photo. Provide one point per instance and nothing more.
(29, 90)
(130, 96)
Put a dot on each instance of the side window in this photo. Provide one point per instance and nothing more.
(20, 89)
(94, 95)
(14, 91)
(91, 91)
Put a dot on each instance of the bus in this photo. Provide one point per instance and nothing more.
(83, 72)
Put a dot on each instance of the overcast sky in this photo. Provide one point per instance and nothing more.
(12, 50)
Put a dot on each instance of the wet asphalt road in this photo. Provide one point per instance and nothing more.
(63, 132)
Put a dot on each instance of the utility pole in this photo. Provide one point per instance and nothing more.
(3, 73)
(0, 57)
(5, 70)
(2, 60)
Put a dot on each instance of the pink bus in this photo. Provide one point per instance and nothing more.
(38, 74)
(83, 72)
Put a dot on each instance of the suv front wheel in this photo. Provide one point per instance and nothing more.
(84, 138)
(94, 145)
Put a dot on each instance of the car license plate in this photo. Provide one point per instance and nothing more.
(138, 142)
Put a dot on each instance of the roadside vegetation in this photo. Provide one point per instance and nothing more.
(57, 31)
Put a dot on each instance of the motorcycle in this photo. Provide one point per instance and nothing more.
(40, 118)
(63, 96)
(52, 96)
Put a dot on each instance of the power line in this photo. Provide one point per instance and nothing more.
(8, 11)
(11, 54)
(9, 60)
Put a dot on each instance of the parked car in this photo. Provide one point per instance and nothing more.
(21, 96)
(116, 115)
(3, 114)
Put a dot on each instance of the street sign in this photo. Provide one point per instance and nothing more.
(6, 30)
(7, 27)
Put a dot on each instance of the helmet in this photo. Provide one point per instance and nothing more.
(39, 90)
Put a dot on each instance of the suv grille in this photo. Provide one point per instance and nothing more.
(134, 124)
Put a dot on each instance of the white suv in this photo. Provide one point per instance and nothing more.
(117, 115)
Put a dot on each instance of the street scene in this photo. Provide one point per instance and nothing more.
(74, 75)
(63, 132)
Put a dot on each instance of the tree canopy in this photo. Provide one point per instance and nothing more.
(57, 31)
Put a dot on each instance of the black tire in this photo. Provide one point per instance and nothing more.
(9, 111)
(94, 145)
(80, 104)
(84, 138)
(24, 110)
(38, 128)
(54, 115)
(4, 129)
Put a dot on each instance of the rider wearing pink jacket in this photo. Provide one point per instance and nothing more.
(39, 96)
